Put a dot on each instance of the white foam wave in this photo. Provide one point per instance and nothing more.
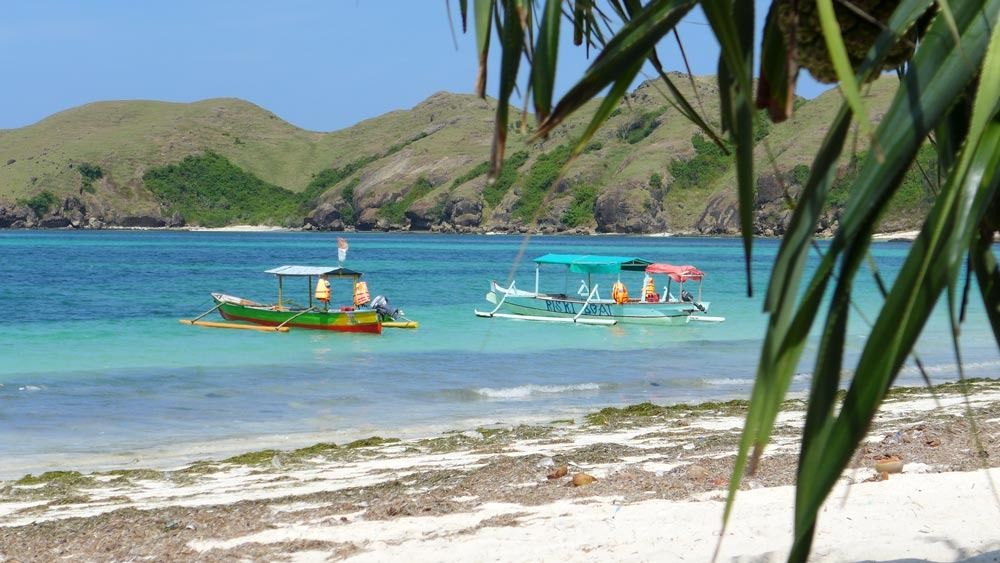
(729, 381)
(523, 391)
(951, 368)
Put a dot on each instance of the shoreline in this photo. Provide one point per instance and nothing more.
(661, 474)
(891, 236)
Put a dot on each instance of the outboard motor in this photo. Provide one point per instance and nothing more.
(688, 298)
(385, 309)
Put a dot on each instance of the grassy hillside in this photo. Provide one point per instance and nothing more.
(226, 161)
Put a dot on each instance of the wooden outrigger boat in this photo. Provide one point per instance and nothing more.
(589, 307)
(315, 315)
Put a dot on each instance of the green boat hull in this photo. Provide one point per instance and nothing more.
(236, 309)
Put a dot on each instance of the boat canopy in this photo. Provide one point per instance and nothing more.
(593, 264)
(676, 273)
(303, 271)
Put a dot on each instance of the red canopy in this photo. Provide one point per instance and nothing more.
(676, 273)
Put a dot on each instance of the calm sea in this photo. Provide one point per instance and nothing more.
(97, 372)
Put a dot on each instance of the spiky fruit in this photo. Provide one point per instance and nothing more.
(799, 21)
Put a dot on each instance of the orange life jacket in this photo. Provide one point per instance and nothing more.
(619, 293)
(649, 292)
(361, 295)
(323, 290)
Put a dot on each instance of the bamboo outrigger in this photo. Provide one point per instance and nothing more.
(213, 324)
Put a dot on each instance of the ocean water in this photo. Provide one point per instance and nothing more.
(97, 372)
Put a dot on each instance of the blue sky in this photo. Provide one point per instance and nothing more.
(322, 65)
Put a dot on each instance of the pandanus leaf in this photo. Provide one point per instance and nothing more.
(903, 128)
(483, 14)
(513, 37)
(984, 263)
(932, 264)
(733, 25)
(677, 101)
(543, 68)
(463, 9)
(633, 42)
(779, 70)
(580, 9)
(842, 65)
(608, 104)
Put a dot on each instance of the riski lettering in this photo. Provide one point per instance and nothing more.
(593, 309)
(560, 307)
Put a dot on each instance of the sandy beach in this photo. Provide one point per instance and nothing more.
(654, 489)
(896, 236)
(239, 229)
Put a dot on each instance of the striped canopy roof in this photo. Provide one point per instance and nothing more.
(676, 273)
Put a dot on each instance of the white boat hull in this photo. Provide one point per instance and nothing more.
(531, 306)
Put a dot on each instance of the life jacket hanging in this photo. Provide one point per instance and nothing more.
(649, 294)
(323, 290)
(619, 292)
(361, 296)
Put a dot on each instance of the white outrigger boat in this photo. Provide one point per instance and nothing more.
(588, 307)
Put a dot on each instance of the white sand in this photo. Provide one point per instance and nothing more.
(239, 229)
(898, 235)
(941, 517)
(921, 514)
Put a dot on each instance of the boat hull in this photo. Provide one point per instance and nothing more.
(531, 305)
(236, 309)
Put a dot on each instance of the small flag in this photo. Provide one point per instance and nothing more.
(341, 249)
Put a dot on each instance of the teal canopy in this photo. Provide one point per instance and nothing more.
(593, 264)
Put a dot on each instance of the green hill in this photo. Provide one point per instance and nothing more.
(226, 161)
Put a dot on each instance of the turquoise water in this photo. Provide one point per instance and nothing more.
(97, 369)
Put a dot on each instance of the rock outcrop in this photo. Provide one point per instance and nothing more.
(15, 217)
(629, 208)
(326, 217)
(73, 213)
(141, 222)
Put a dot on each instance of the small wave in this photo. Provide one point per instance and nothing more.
(951, 368)
(728, 381)
(523, 391)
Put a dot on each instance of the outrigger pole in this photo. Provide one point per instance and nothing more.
(211, 324)
(575, 320)
(295, 316)
(199, 317)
